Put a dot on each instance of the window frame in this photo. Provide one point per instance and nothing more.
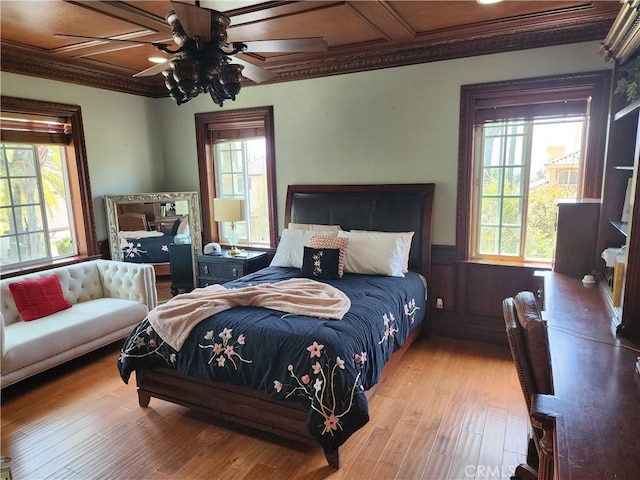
(256, 119)
(501, 195)
(77, 170)
(592, 86)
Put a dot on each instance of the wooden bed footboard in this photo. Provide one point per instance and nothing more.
(229, 403)
(241, 405)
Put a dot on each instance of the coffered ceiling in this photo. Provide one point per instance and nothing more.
(361, 35)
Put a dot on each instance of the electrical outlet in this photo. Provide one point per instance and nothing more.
(439, 303)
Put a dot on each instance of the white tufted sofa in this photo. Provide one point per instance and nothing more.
(108, 299)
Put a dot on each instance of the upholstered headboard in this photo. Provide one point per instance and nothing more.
(383, 207)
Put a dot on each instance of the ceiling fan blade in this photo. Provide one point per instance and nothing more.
(196, 21)
(159, 68)
(106, 39)
(253, 72)
(312, 44)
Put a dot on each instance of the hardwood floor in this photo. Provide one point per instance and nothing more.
(454, 411)
(163, 286)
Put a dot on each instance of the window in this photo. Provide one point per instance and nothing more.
(46, 213)
(242, 173)
(514, 185)
(35, 213)
(568, 177)
(524, 144)
(236, 160)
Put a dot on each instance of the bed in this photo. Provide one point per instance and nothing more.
(145, 246)
(150, 246)
(320, 372)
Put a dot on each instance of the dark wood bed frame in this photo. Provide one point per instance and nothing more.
(383, 207)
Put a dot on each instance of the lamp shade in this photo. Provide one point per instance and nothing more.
(228, 209)
(182, 207)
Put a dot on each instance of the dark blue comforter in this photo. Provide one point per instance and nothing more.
(324, 364)
(147, 250)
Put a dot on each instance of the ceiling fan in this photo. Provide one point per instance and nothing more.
(203, 59)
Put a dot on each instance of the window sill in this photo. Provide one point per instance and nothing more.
(511, 263)
(14, 272)
(250, 246)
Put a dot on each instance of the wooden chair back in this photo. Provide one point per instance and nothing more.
(131, 222)
(529, 344)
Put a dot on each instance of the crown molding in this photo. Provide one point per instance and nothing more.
(27, 61)
(402, 55)
(34, 63)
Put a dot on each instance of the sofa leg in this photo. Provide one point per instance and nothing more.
(143, 398)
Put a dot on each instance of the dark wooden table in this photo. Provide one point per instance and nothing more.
(596, 401)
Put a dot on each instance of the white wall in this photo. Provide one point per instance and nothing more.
(124, 151)
(385, 126)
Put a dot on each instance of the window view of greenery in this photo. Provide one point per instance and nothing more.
(241, 172)
(35, 212)
(525, 167)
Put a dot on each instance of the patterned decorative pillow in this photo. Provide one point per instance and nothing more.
(322, 241)
(321, 263)
(291, 246)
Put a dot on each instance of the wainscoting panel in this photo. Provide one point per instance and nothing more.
(472, 294)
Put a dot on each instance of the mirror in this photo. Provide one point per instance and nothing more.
(158, 219)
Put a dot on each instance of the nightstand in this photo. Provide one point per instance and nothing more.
(163, 224)
(181, 261)
(223, 268)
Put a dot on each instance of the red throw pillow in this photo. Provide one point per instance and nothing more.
(39, 297)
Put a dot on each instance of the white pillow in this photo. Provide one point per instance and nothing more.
(290, 250)
(376, 253)
(139, 233)
(407, 236)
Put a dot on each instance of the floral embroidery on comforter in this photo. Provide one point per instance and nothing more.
(326, 365)
(146, 250)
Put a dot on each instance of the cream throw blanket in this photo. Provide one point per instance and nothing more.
(174, 320)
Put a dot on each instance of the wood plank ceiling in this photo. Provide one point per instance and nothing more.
(362, 35)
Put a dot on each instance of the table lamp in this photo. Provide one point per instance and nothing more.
(229, 210)
(182, 207)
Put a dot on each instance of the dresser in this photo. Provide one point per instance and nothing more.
(163, 224)
(212, 269)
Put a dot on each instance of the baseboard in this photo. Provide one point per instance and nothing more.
(446, 324)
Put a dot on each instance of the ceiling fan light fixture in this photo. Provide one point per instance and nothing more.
(219, 24)
(230, 77)
(185, 73)
(218, 93)
(202, 63)
(172, 86)
(177, 32)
